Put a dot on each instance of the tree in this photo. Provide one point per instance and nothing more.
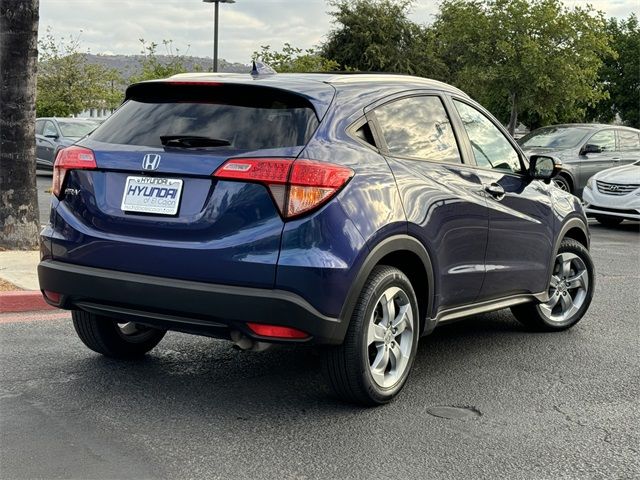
(153, 67)
(531, 57)
(68, 85)
(377, 35)
(620, 73)
(19, 223)
(292, 59)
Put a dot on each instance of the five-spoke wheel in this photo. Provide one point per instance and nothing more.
(569, 293)
(372, 364)
(390, 337)
(568, 288)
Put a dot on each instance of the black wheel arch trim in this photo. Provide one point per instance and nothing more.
(395, 243)
(572, 222)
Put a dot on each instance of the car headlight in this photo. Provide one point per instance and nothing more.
(590, 183)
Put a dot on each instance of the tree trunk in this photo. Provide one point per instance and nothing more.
(513, 120)
(19, 224)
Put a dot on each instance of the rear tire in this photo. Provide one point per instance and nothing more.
(608, 221)
(104, 335)
(570, 291)
(373, 363)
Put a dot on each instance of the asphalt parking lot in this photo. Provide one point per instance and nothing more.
(527, 405)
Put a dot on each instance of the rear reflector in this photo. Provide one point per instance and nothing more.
(275, 331)
(52, 296)
(70, 158)
(297, 186)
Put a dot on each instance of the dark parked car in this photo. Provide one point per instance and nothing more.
(583, 150)
(52, 134)
(356, 212)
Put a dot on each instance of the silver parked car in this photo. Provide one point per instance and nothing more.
(583, 150)
(52, 134)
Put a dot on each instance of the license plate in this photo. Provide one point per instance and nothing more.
(152, 195)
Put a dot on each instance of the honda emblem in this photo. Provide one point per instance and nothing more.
(151, 161)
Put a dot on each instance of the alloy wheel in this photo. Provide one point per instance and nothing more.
(568, 288)
(390, 337)
(561, 184)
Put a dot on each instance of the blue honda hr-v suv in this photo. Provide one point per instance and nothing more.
(356, 212)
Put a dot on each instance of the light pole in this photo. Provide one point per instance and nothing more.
(215, 29)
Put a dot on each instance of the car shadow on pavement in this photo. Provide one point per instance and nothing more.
(200, 376)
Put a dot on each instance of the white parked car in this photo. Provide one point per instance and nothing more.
(613, 195)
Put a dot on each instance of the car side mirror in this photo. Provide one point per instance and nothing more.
(591, 148)
(542, 167)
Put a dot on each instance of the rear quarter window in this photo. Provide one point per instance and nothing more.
(249, 118)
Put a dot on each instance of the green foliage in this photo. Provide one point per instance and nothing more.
(621, 74)
(67, 84)
(534, 57)
(377, 35)
(153, 67)
(292, 59)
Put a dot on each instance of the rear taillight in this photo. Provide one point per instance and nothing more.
(297, 186)
(70, 158)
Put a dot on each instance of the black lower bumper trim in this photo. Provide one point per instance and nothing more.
(193, 307)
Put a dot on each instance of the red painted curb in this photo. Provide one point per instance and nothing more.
(23, 301)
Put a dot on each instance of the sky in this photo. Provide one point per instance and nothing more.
(115, 26)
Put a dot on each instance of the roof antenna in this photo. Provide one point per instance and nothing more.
(260, 68)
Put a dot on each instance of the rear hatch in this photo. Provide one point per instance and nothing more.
(151, 204)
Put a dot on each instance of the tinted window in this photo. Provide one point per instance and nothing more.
(39, 126)
(490, 147)
(554, 137)
(247, 118)
(418, 127)
(49, 129)
(629, 140)
(364, 134)
(605, 139)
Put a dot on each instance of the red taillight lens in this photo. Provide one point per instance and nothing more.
(297, 186)
(276, 331)
(70, 158)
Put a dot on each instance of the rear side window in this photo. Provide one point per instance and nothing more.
(418, 127)
(248, 118)
(628, 140)
(39, 126)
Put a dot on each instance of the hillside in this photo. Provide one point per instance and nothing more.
(129, 65)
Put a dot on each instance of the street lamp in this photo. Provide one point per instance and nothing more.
(215, 29)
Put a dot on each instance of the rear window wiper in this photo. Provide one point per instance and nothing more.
(192, 141)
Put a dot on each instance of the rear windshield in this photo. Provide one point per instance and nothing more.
(248, 118)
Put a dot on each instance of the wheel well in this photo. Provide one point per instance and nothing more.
(578, 235)
(568, 179)
(411, 265)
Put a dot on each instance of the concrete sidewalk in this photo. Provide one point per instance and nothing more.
(20, 269)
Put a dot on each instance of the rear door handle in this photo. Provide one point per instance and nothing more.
(495, 190)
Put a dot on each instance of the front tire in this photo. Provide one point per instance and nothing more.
(562, 183)
(570, 291)
(608, 221)
(374, 361)
(118, 340)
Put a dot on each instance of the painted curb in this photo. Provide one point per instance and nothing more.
(23, 301)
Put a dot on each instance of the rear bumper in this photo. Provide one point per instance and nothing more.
(192, 307)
